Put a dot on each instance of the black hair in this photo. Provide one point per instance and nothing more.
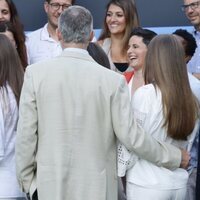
(189, 39)
(98, 54)
(146, 34)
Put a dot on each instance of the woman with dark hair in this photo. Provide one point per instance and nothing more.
(121, 17)
(137, 49)
(11, 79)
(9, 13)
(7, 29)
(98, 54)
(167, 109)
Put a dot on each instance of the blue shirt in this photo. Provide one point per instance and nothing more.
(194, 64)
(194, 153)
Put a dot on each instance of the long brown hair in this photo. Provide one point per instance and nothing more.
(11, 71)
(131, 18)
(19, 29)
(165, 67)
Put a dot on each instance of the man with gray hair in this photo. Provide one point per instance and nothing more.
(72, 110)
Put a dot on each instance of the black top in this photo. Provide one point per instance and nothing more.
(122, 67)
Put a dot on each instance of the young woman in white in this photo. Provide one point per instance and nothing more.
(167, 109)
(11, 79)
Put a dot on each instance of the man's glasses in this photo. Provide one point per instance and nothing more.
(56, 6)
(193, 6)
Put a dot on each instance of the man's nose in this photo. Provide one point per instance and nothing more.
(60, 9)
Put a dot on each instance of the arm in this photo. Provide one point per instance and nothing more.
(26, 141)
(134, 137)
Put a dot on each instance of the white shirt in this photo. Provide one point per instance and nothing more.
(40, 46)
(147, 107)
(8, 123)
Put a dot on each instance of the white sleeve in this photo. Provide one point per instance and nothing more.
(127, 159)
(141, 103)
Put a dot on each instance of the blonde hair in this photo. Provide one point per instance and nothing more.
(165, 67)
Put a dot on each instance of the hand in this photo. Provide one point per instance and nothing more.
(185, 159)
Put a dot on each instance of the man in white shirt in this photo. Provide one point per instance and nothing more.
(43, 43)
(192, 11)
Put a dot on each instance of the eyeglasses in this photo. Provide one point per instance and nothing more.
(56, 6)
(193, 6)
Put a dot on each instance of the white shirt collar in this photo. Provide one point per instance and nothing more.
(78, 50)
(45, 34)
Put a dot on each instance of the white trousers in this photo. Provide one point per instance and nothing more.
(135, 192)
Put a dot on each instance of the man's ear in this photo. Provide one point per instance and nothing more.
(59, 35)
(91, 36)
(46, 6)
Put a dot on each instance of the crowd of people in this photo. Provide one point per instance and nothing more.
(84, 118)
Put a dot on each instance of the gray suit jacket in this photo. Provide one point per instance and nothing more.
(72, 111)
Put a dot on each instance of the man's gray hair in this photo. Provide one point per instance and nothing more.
(75, 25)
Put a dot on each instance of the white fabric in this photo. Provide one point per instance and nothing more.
(147, 107)
(8, 121)
(135, 192)
(130, 87)
(40, 46)
(194, 84)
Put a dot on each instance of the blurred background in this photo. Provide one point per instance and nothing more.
(160, 15)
